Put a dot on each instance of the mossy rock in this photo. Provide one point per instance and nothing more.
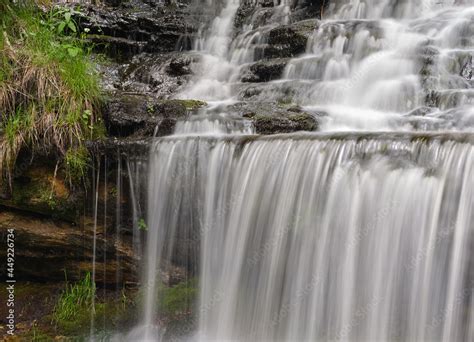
(269, 124)
(40, 191)
(190, 104)
(179, 298)
(138, 115)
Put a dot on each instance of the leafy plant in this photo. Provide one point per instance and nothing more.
(142, 225)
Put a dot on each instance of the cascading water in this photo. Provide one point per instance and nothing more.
(310, 238)
(372, 65)
(371, 72)
(327, 236)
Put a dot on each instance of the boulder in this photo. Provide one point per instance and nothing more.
(265, 70)
(271, 124)
(139, 115)
(274, 118)
(289, 40)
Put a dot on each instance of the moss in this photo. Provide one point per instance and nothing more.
(192, 104)
(285, 101)
(39, 190)
(178, 299)
(304, 121)
(266, 124)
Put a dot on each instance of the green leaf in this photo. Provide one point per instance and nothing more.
(61, 27)
(142, 225)
(67, 16)
(71, 26)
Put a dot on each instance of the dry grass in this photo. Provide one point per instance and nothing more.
(48, 97)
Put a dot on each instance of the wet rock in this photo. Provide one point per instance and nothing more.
(38, 189)
(270, 124)
(264, 12)
(467, 68)
(289, 40)
(273, 118)
(151, 28)
(116, 47)
(420, 111)
(158, 74)
(47, 250)
(265, 70)
(181, 65)
(140, 115)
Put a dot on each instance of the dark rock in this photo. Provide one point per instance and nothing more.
(38, 189)
(47, 251)
(181, 65)
(140, 116)
(289, 40)
(284, 124)
(149, 28)
(273, 118)
(158, 74)
(265, 70)
(116, 47)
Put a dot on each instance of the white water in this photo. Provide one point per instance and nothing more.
(312, 238)
(369, 64)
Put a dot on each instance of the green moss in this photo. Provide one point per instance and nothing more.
(285, 101)
(299, 117)
(38, 190)
(179, 298)
(142, 225)
(192, 104)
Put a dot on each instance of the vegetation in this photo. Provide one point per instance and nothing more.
(75, 298)
(142, 225)
(77, 160)
(49, 90)
(178, 298)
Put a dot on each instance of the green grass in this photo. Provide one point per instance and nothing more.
(49, 89)
(77, 161)
(74, 299)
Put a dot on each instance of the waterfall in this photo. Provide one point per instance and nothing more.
(325, 236)
(321, 237)
(369, 65)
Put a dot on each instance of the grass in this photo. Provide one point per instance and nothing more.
(74, 299)
(74, 310)
(77, 160)
(49, 89)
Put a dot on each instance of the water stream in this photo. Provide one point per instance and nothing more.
(326, 236)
